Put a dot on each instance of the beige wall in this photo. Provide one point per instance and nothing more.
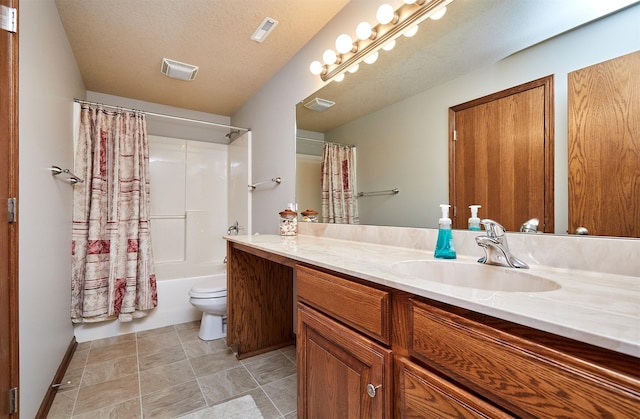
(49, 80)
(270, 114)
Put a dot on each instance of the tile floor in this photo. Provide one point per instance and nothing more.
(169, 373)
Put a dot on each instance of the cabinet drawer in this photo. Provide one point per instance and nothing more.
(361, 307)
(422, 394)
(528, 379)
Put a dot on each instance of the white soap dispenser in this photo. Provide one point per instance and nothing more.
(474, 221)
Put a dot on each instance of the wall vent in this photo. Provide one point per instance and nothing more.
(265, 28)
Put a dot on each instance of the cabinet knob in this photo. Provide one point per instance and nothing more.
(371, 389)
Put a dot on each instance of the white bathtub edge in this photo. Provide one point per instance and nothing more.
(173, 308)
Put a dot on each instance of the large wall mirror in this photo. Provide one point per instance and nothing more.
(395, 111)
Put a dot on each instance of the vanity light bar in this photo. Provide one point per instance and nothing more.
(405, 17)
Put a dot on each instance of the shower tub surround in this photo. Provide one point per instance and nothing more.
(598, 301)
(189, 195)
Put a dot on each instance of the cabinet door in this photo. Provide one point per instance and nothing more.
(422, 394)
(335, 367)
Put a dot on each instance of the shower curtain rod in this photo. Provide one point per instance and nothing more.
(162, 115)
(313, 140)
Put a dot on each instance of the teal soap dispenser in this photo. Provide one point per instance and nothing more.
(474, 221)
(444, 246)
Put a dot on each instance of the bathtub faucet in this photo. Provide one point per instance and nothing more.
(233, 229)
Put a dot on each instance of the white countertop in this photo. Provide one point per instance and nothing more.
(596, 308)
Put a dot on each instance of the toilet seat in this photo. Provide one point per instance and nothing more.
(210, 289)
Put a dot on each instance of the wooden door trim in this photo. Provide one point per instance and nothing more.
(9, 231)
(547, 83)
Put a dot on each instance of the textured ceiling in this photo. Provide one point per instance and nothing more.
(119, 46)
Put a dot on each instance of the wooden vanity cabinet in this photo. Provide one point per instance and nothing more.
(447, 361)
(527, 372)
(342, 371)
(365, 350)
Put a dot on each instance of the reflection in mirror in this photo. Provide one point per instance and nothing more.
(498, 158)
(604, 148)
(478, 48)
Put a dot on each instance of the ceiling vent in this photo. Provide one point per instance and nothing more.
(265, 28)
(319, 105)
(178, 70)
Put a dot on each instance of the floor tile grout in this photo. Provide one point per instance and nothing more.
(101, 374)
(261, 389)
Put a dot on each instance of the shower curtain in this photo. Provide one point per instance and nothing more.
(112, 261)
(339, 203)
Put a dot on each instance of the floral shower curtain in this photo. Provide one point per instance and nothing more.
(112, 261)
(339, 201)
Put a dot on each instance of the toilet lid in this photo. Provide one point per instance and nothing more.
(212, 288)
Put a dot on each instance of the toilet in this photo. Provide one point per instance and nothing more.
(211, 298)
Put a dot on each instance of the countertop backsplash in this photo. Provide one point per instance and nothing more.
(617, 256)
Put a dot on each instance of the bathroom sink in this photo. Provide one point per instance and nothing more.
(475, 275)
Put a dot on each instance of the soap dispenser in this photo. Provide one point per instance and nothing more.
(474, 221)
(444, 246)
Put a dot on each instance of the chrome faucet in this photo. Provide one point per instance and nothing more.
(496, 249)
(530, 226)
(234, 229)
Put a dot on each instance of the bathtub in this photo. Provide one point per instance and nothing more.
(174, 282)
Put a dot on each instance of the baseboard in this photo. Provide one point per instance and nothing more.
(57, 379)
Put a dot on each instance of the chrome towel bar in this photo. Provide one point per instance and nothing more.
(277, 180)
(385, 192)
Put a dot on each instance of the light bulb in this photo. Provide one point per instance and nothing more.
(353, 68)
(339, 77)
(385, 14)
(389, 45)
(316, 68)
(363, 31)
(411, 31)
(329, 57)
(344, 43)
(371, 58)
(437, 15)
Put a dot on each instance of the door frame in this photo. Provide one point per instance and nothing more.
(549, 148)
(9, 327)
